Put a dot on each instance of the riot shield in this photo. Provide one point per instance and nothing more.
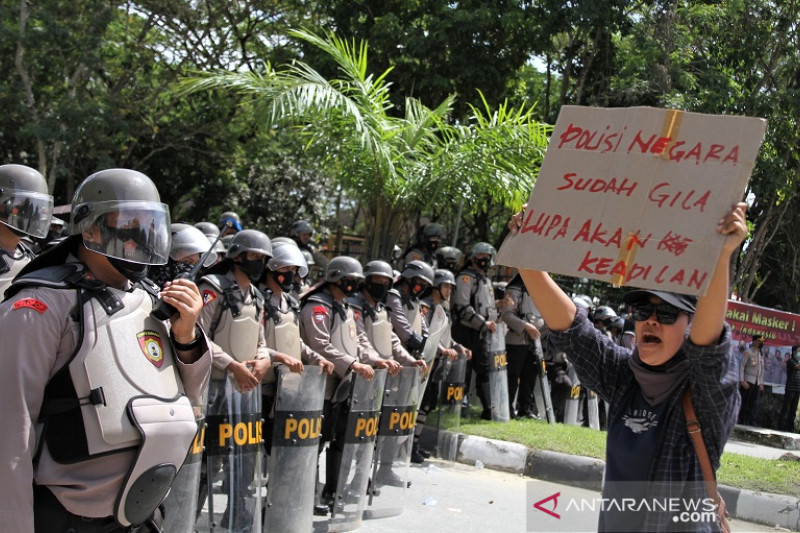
(359, 445)
(451, 395)
(572, 408)
(393, 447)
(498, 374)
(295, 450)
(541, 389)
(233, 452)
(436, 329)
(180, 505)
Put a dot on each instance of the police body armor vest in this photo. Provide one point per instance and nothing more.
(482, 296)
(10, 267)
(411, 309)
(120, 390)
(343, 325)
(376, 324)
(282, 331)
(238, 336)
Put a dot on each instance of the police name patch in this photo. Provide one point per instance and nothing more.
(209, 296)
(319, 313)
(150, 343)
(31, 303)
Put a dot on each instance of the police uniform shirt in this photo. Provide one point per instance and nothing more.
(400, 311)
(751, 368)
(39, 336)
(316, 321)
(519, 314)
(11, 263)
(470, 311)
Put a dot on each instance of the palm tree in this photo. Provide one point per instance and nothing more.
(396, 167)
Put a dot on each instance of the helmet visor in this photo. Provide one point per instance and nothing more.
(135, 231)
(26, 211)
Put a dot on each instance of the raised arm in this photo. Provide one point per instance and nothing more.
(710, 313)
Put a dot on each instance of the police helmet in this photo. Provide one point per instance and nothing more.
(284, 254)
(379, 268)
(175, 227)
(230, 219)
(602, 313)
(249, 240)
(190, 241)
(582, 301)
(615, 322)
(448, 254)
(342, 267)
(442, 276)
(285, 240)
(432, 229)
(208, 229)
(309, 258)
(124, 205)
(299, 227)
(25, 204)
(418, 269)
(482, 248)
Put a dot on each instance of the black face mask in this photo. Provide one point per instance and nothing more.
(433, 246)
(377, 290)
(482, 263)
(253, 268)
(132, 271)
(284, 279)
(347, 286)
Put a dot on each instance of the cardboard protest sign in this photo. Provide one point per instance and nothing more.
(632, 196)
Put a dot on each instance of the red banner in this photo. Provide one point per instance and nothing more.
(777, 327)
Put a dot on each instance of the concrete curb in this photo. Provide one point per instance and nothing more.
(586, 472)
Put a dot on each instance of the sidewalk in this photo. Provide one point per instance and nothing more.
(586, 472)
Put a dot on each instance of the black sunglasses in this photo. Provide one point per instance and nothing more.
(665, 313)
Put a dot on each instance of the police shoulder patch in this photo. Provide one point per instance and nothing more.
(209, 296)
(31, 303)
(319, 312)
(465, 279)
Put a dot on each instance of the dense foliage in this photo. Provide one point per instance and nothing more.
(454, 98)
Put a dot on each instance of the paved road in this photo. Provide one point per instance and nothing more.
(464, 499)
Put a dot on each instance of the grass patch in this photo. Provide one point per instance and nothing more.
(742, 471)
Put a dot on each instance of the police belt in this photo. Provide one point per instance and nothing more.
(52, 517)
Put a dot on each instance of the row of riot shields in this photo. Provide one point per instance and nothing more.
(225, 486)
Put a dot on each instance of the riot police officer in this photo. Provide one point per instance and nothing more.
(229, 223)
(403, 303)
(233, 310)
(302, 232)
(96, 375)
(429, 238)
(282, 324)
(448, 257)
(475, 316)
(187, 248)
(327, 326)
(25, 209)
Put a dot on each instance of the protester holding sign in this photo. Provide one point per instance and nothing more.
(647, 436)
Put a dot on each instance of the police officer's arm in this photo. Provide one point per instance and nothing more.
(462, 308)
(310, 357)
(509, 313)
(266, 356)
(38, 337)
(397, 316)
(367, 353)
(402, 356)
(184, 296)
(315, 324)
(742, 366)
